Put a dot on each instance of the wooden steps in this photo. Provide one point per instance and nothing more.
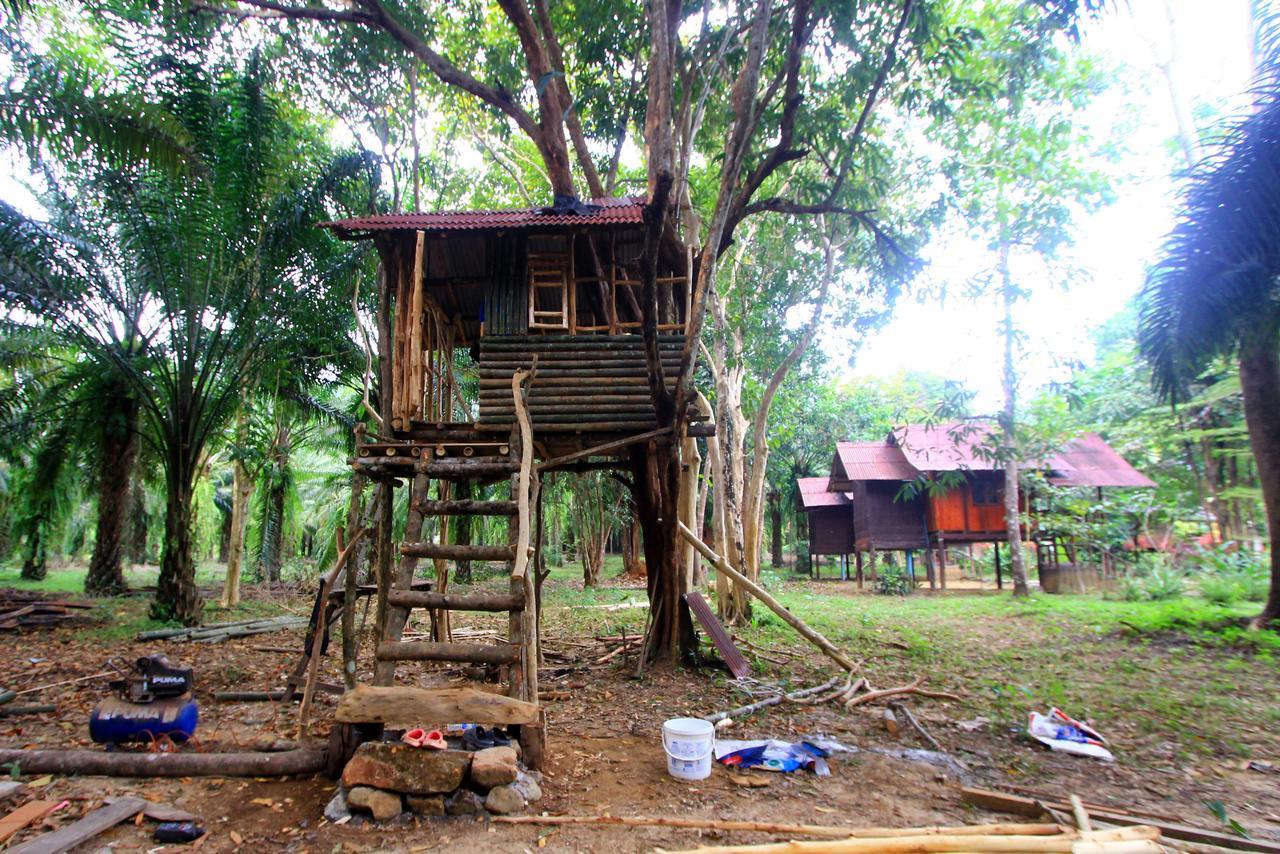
(470, 653)
(454, 552)
(457, 601)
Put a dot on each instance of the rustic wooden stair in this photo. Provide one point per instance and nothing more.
(519, 655)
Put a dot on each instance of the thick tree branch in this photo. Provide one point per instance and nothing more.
(561, 86)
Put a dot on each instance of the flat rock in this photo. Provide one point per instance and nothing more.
(401, 768)
(384, 805)
(494, 766)
(465, 802)
(504, 800)
(425, 804)
(337, 808)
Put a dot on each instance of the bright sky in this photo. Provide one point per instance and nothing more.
(959, 340)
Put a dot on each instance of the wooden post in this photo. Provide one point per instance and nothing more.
(942, 561)
(875, 569)
(857, 556)
(911, 566)
(999, 577)
(929, 567)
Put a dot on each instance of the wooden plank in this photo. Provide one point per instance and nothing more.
(502, 653)
(1016, 805)
(407, 706)
(23, 816)
(66, 838)
(494, 602)
(738, 665)
(457, 552)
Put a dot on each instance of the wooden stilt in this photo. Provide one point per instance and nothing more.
(857, 556)
(999, 577)
(942, 562)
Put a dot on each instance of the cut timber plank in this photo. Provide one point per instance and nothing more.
(1017, 805)
(452, 552)
(724, 644)
(405, 706)
(503, 653)
(66, 838)
(456, 601)
(23, 816)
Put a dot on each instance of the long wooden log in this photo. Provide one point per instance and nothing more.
(500, 426)
(465, 467)
(831, 650)
(441, 651)
(637, 409)
(493, 602)
(467, 507)
(820, 830)
(303, 760)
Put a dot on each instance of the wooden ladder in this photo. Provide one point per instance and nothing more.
(519, 654)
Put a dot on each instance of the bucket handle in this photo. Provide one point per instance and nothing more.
(703, 756)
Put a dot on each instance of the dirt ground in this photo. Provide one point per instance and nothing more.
(605, 755)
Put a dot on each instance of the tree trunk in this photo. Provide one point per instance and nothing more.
(1260, 387)
(462, 533)
(775, 522)
(241, 491)
(137, 522)
(656, 475)
(36, 564)
(177, 597)
(117, 453)
(1012, 520)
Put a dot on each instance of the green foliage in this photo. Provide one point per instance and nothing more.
(1226, 576)
(893, 580)
(1153, 579)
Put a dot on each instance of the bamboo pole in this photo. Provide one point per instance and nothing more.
(819, 830)
(317, 629)
(1129, 840)
(827, 647)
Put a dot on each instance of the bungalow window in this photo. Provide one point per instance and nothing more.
(986, 491)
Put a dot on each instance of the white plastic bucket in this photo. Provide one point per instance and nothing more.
(689, 743)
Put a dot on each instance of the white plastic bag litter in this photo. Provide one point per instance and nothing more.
(1061, 732)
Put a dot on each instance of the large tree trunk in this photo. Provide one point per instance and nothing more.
(35, 566)
(177, 597)
(1012, 518)
(1260, 387)
(137, 522)
(117, 453)
(462, 532)
(656, 475)
(775, 523)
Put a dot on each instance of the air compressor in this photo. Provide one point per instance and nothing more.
(153, 701)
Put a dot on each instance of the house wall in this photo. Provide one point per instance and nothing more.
(506, 300)
(973, 509)
(880, 522)
(830, 530)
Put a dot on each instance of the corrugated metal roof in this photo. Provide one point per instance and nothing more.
(1090, 461)
(954, 446)
(813, 493)
(627, 210)
(874, 461)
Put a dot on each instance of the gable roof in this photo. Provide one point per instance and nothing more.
(953, 446)
(1089, 461)
(626, 210)
(872, 461)
(813, 493)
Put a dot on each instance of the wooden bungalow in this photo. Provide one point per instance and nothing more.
(542, 307)
(829, 520)
(926, 486)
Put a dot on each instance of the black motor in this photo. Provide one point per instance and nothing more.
(155, 679)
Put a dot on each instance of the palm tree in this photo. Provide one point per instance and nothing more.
(1215, 291)
(190, 269)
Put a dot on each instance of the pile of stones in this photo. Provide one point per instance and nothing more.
(387, 779)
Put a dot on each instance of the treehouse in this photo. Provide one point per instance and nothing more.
(927, 486)
(541, 308)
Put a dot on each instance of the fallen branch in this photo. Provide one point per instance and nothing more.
(831, 650)
(919, 727)
(820, 830)
(794, 696)
(913, 688)
(302, 760)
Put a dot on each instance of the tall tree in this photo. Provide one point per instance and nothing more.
(1215, 291)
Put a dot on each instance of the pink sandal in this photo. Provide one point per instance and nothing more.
(422, 738)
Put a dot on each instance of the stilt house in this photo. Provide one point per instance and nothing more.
(543, 307)
(877, 499)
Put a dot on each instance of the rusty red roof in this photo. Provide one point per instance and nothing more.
(1089, 461)
(953, 446)
(873, 461)
(626, 210)
(813, 493)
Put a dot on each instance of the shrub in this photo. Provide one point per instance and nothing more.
(894, 580)
(1226, 575)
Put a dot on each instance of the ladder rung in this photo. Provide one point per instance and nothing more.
(457, 601)
(503, 653)
(458, 552)
(467, 508)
